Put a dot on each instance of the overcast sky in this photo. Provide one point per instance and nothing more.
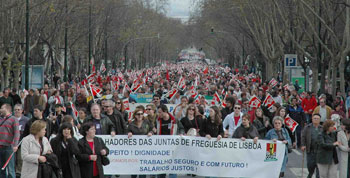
(179, 9)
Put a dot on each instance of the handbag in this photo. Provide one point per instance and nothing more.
(104, 159)
(289, 147)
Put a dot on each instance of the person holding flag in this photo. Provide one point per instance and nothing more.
(296, 112)
(281, 134)
(9, 138)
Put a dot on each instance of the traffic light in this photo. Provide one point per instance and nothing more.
(212, 30)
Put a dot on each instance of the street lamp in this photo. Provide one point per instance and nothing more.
(27, 47)
(307, 63)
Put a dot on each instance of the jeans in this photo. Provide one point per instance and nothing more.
(311, 164)
(5, 153)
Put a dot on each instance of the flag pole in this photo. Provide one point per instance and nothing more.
(8, 160)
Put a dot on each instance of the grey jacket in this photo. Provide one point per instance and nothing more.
(306, 137)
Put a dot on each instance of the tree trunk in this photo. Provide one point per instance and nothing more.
(342, 77)
(16, 73)
(269, 69)
(315, 81)
(323, 77)
(334, 79)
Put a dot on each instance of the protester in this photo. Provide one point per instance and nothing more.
(15, 97)
(308, 104)
(75, 129)
(42, 99)
(103, 124)
(54, 99)
(212, 126)
(343, 137)
(9, 137)
(38, 115)
(34, 147)
(191, 120)
(18, 110)
(309, 138)
(116, 117)
(119, 105)
(261, 123)
(281, 134)
(57, 117)
(324, 110)
(326, 156)
(140, 126)
(180, 110)
(29, 104)
(92, 149)
(81, 116)
(65, 146)
(166, 124)
(151, 113)
(246, 130)
(339, 111)
(296, 112)
(233, 121)
(6, 99)
(230, 102)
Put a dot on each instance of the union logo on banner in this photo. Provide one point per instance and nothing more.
(271, 152)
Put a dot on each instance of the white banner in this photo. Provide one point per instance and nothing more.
(193, 155)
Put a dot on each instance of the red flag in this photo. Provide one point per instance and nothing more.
(286, 87)
(126, 88)
(290, 123)
(75, 111)
(95, 90)
(136, 85)
(167, 75)
(182, 83)
(216, 100)
(102, 68)
(273, 82)
(206, 70)
(91, 78)
(126, 104)
(171, 93)
(254, 102)
(268, 102)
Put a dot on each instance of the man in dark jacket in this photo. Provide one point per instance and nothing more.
(103, 124)
(29, 104)
(230, 102)
(6, 99)
(15, 97)
(296, 112)
(116, 117)
(38, 114)
(309, 143)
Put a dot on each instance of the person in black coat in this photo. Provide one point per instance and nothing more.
(65, 146)
(91, 151)
(212, 127)
(38, 115)
(246, 130)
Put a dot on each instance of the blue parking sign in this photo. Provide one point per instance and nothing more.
(290, 60)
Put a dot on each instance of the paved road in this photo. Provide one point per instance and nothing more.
(294, 167)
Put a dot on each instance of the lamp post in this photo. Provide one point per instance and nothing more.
(90, 40)
(65, 79)
(27, 47)
(307, 78)
(126, 48)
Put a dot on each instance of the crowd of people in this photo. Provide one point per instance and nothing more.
(61, 124)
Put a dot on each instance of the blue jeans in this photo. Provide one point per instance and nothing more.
(5, 153)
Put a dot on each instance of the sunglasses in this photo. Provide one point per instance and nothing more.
(148, 109)
(118, 103)
(139, 114)
(192, 109)
(237, 108)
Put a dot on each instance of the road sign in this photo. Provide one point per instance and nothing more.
(290, 60)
